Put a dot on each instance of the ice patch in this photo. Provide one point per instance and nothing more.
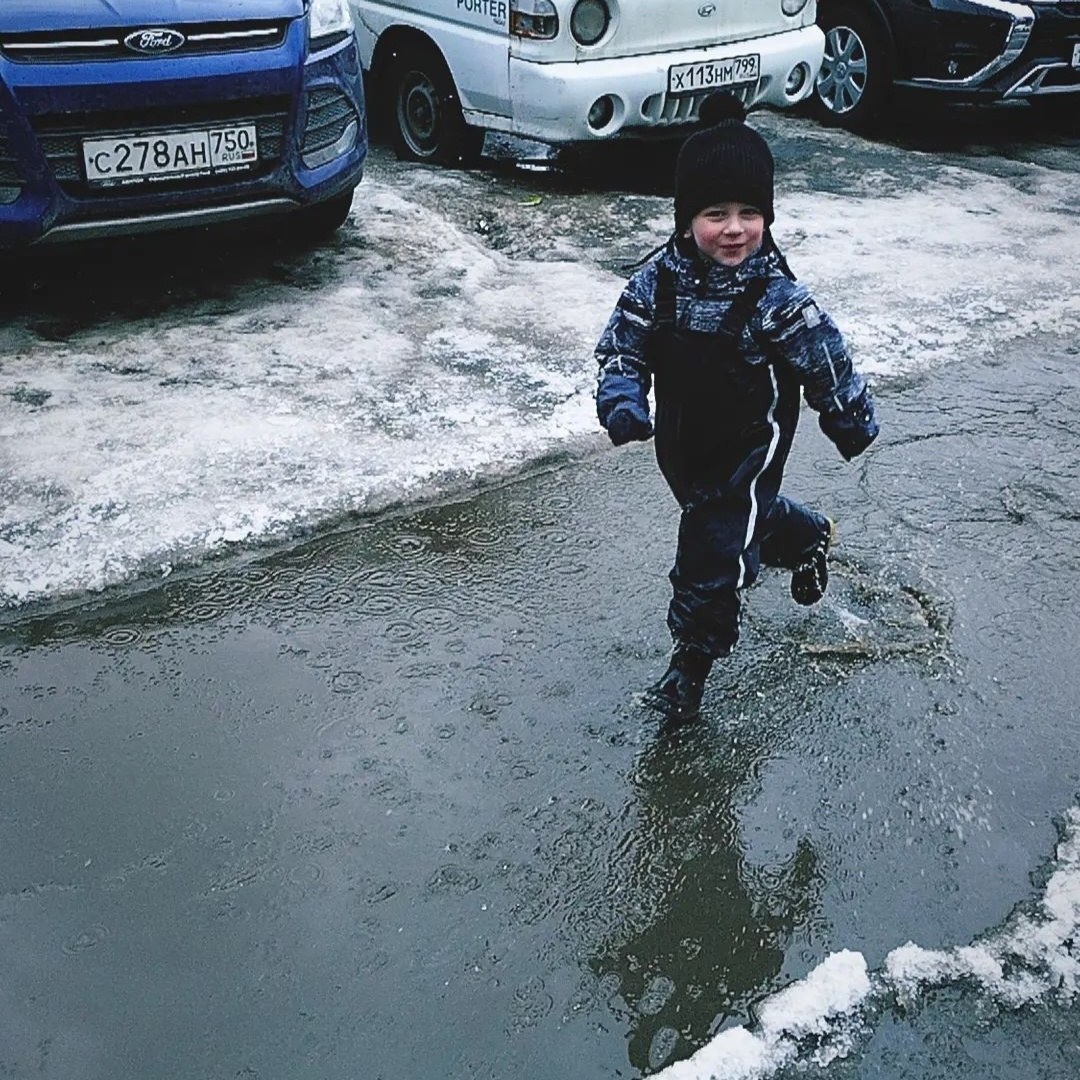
(410, 377)
(932, 276)
(822, 1017)
(417, 359)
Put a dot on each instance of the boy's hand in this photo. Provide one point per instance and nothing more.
(854, 429)
(624, 426)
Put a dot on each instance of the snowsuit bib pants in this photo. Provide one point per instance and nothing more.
(724, 428)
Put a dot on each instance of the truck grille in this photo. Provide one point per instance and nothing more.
(61, 137)
(63, 47)
(664, 109)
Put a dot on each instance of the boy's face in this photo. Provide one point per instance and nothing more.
(728, 232)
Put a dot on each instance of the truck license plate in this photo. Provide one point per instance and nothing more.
(710, 74)
(169, 155)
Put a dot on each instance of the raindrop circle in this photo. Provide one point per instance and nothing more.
(85, 939)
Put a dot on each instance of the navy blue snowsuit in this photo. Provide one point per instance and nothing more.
(728, 350)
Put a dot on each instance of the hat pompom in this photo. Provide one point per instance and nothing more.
(719, 106)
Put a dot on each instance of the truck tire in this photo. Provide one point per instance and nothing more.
(426, 123)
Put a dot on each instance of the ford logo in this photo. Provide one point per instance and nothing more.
(154, 42)
(706, 10)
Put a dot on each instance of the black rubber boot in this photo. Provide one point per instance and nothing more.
(678, 693)
(810, 578)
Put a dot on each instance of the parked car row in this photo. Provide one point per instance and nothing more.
(580, 71)
(153, 114)
(156, 114)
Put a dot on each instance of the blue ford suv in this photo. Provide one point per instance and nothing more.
(126, 116)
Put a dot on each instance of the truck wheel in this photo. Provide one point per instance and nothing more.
(854, 84)
(426, 120)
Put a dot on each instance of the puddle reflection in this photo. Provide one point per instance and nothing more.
(710, 932)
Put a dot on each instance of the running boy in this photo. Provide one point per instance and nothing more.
(717, 323)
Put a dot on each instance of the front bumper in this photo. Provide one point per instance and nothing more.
(309, 113)
(552, 101)
(1036, 50)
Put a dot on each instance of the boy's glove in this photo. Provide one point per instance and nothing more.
(624, 425)
(854, 429)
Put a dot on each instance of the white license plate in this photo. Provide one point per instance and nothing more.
(169, 155)
(709, 74)
(1076, 56)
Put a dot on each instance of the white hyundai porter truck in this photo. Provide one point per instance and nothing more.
(441, 73)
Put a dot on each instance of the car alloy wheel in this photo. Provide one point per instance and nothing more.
(855, 80)
(841, 83)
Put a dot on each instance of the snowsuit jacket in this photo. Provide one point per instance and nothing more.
(785, 330)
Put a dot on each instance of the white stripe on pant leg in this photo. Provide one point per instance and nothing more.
(769, 455)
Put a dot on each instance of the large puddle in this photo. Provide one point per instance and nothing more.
(381, 805)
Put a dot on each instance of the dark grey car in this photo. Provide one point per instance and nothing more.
(965, 50)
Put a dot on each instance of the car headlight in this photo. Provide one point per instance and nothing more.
(792, 7)
(329, 21)
(589, 21)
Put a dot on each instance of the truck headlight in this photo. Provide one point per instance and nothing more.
(792, 7)
(329, 21)
(534, 19)
(589, 21)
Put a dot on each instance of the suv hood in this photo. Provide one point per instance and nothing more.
(27, 15)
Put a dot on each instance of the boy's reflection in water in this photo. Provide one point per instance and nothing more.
(699, 933)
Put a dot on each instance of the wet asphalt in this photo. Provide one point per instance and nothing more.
(382, 804)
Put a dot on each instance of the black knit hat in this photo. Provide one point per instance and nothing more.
(725, 162)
